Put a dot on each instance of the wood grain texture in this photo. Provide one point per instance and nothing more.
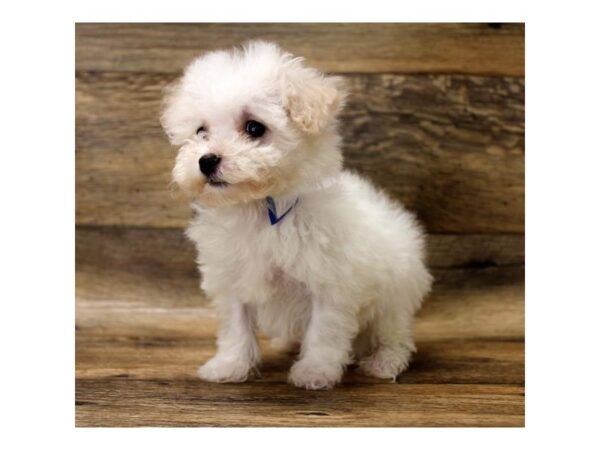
(450, 147)
(449, 361)
(115, 402)
(167, 252)
(381, 47)
(151, 272)
(162, 310)
(143, 327)
(141, 332)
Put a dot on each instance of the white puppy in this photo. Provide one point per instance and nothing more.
(289, 242)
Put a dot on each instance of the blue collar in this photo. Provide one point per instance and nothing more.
(272, 209)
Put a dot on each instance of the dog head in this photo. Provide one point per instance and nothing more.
(252, 122)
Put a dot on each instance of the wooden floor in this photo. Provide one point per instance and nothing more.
(143, 328)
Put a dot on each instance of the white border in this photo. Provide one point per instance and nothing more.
(38, 209)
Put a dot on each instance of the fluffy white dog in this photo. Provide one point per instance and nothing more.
(288, 241)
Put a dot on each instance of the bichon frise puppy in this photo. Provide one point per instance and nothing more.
(290, 243)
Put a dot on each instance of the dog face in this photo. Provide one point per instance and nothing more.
(251, 123)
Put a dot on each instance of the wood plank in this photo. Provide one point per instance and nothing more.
(125, 403)
(450, 147)
(475, 250)
(141, 382)
(150, 272)
(143, 327)
(145, 377)
(167, 253)
(129, 280)
(156, 266)
(131, 306)
(381, 47)
(140, 379)
(135, 366)
(164, 254)
(450, 361)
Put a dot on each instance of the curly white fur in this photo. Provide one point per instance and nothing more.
(342, 274)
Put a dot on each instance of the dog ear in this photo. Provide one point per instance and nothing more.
(173, 114)
(311, 99)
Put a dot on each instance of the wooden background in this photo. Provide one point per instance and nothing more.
(435, 116)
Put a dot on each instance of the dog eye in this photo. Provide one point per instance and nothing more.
(202, 129)
(255, 129)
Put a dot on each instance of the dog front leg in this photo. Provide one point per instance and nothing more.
(327, 345)
(238, 352)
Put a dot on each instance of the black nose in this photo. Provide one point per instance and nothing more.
(209, 163)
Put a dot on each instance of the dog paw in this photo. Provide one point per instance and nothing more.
(385, 364)
(222, 370)
(310, 375)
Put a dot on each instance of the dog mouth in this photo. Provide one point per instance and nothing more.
(217, 183)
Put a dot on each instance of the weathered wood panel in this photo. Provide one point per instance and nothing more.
(118, 402)
(136, 360)
(451, 361)
(136, 357)
(150, 275)
(125, 382)
(143, 327)
(111, 303)
(450, 147)
(381, 47)
(166, 253)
